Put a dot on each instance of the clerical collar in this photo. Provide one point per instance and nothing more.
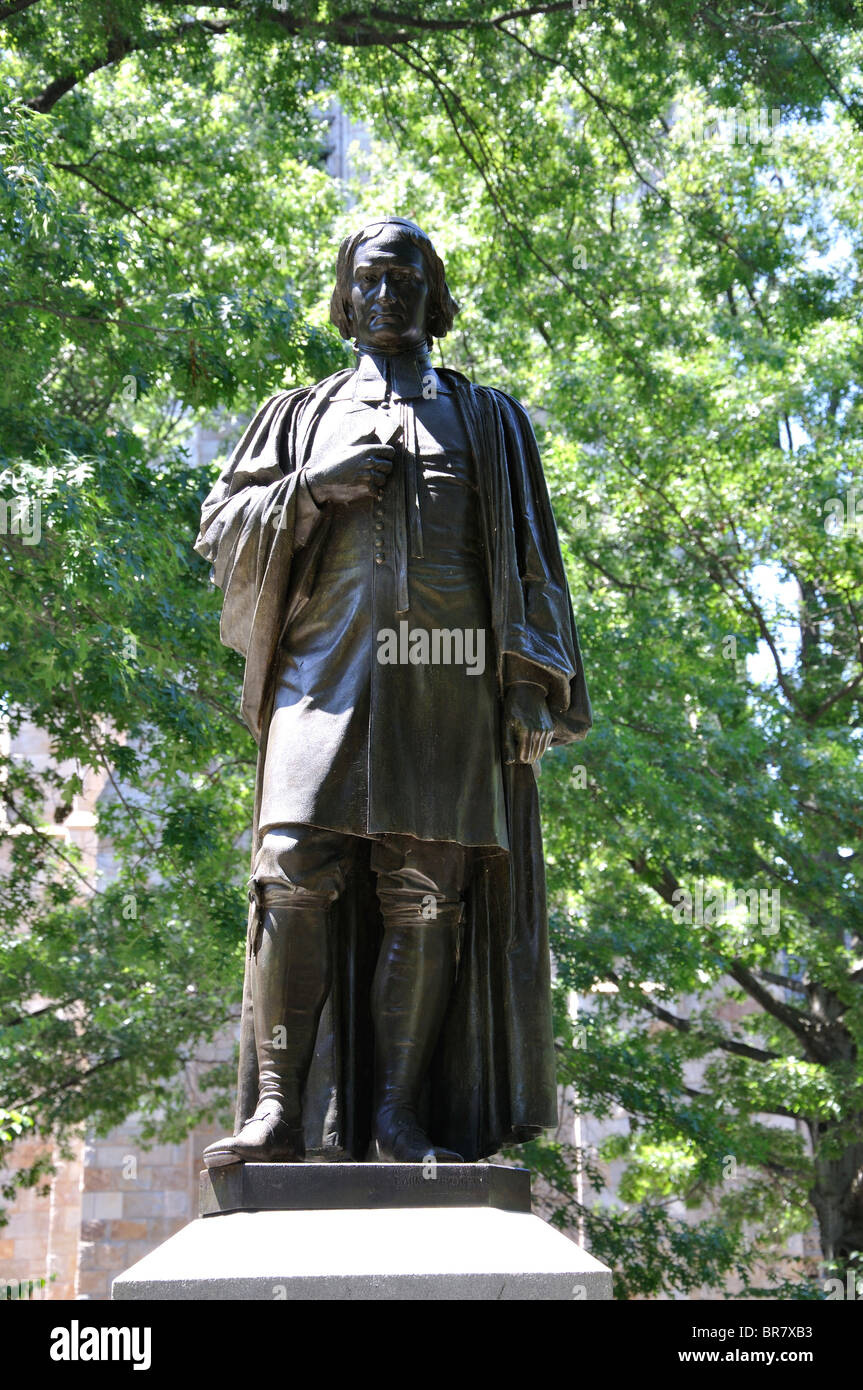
(403, 372)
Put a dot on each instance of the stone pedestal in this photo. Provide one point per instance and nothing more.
(366, 1231)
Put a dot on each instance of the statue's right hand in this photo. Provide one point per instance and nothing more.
(350, 472)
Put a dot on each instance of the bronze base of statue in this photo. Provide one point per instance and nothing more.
(360, 1186)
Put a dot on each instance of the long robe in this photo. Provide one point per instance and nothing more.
(492, 1078)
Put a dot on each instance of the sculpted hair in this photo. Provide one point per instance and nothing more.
(441, 307)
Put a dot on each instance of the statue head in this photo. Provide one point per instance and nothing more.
(391, 292)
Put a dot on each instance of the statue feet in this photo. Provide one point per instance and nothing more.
(265, 1138)
(398, 1138)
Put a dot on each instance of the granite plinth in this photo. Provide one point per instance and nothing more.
(328, 1231)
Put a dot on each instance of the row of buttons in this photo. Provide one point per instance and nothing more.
(379, 526)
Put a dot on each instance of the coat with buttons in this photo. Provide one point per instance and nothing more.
(408, 747)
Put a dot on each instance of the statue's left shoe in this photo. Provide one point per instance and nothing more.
(399, 1138)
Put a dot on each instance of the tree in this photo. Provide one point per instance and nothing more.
(122, 333)
(676, 294)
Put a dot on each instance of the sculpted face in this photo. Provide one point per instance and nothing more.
(389, 292)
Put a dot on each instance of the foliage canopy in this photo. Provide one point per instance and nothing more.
(676, 298)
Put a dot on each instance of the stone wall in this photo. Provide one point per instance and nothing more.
(104, 1210)
(132, 1201)
(41, 1238)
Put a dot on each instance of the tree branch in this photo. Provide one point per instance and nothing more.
(347, 31)
(801, 1025)
(76, 1080)
(36, 1013)
(763, 1109)
(685, 1025)
(9, 11)
(119, 47)
(78, 171)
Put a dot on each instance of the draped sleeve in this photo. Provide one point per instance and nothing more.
(534, 625)
(255, 522)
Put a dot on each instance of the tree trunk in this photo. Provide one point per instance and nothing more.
(837, 1196)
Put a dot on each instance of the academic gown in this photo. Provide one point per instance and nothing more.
(492, 1078)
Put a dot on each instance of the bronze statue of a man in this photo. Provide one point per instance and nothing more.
(392, 575)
